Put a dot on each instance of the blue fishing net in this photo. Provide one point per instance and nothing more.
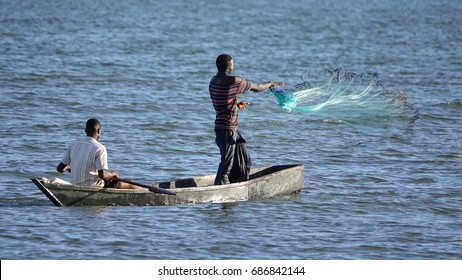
(341, 94)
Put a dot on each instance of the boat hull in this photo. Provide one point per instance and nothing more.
(264, 182)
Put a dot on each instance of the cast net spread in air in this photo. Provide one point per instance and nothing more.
(342, 94)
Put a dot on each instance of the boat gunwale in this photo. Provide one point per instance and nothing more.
(282, 168)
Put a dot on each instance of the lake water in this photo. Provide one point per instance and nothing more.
(375, 188)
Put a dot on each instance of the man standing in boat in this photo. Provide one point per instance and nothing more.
(87, 158)
(224, 90)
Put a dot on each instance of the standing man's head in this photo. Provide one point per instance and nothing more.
(93, 128)
(225, 63)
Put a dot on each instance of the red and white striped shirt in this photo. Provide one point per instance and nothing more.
(224, 99)
(86, 157)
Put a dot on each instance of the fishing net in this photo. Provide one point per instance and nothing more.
(342, 94)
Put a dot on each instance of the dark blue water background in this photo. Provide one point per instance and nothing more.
(375, 188)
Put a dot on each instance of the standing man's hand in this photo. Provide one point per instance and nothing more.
(264, 86)
(241, 105)
(279, 84)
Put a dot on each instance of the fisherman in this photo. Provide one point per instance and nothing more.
(224, 89)
(87, 158)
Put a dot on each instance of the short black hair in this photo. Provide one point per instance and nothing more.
(92, 126)
(223, 61)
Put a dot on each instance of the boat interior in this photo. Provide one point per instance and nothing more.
(203, 181)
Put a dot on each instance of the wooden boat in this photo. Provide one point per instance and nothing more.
(264, 182)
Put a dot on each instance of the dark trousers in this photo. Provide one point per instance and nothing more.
(235, 160)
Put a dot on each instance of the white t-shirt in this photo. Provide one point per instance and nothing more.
(86, 157)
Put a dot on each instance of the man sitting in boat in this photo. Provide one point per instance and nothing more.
(87, 158)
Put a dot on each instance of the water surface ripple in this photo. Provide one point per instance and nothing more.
(380, 188)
